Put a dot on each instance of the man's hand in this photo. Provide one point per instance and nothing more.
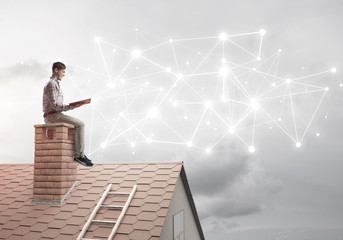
(76, 105)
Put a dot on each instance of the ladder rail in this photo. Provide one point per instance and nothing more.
(122, 214)
(96, 209)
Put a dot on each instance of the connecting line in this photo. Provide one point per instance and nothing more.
(127, 65)
(196, 129)
(190, 39)
(253, 131)
(78, 88)
(278, 125)
(133, 126)
(295, 125)
(171, 128)
(312, 75)
(308, 85)
(103, 58)
(112, 45)
(243, 34)
(177, 65)
(242, 49)
(157, 45)
(293, 94)
(313, 116)
(128, 129)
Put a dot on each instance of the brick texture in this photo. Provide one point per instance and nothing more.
(54, 169)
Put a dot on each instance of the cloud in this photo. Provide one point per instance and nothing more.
(229, 183)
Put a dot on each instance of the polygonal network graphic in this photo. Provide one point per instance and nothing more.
(196, 92)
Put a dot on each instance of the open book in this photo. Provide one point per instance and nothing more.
(85, 101)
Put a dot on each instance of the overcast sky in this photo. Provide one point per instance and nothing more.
(280, 192)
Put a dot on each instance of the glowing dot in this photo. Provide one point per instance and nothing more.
(153, 113)
(121, 114)
(341, 85)
(114, 119)
(333, 70)
(280, 50)
(251, 149)
(302, 68)
(136, 53)
(187, 62)
(122, 80)
(255, 105)
(258, 58)
(152, 134)
(208, 104)
(161, 88)
(262, 32)
(179, 76)
(185, 117)
(168, 70)
(97, 39)
(148, 140)
(288, 81)
(232, 130)
(208, 123)
(189, 144)
(208, 150)
(114, 50)
(175, 104)
(88, 69)
(223, 36)
(21, 63)
(279, 119)
(170, 40)
(254, 69)
(318, 134)
(273, 84)
(103, 145)
(136, 29)
(224, 71)
(111, 85)
(326, 116)
(223, 60)
(298, 144)
(326, 89)
(132, 144)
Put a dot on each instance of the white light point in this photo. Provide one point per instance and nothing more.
(224, 71)
(97, 39)
(223, 60)
(148, 140)
(168, 70)
(333, 70)
(170, 40)
(132, 144)
(185, 117)
(254, 69)
(122, 80)
(223, 98)
(161, 89)
(223, 36)
(232, 130)
(175, 104)
(280, 50)
(341, 85)
(279, 119)
(187, 63)
(121, 114)
(189, 144)
(288, 81)
(208, 150)
(298, 144)
(273, 84)
(251, 149)
(208, 104)
(136, 53)
(179, 76)
(318, 134)
(208, 123)
(262, 32)
(258, 58)
(326, 89)
(153, 113)
(103, 145)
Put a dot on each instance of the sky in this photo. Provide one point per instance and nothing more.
(277, 192)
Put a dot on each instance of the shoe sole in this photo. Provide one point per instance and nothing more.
(82, 163)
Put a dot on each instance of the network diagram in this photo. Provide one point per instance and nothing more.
(195, 92)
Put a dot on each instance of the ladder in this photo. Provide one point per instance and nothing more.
(100, 205)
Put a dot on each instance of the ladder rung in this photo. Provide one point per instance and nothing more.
(103, 221)
(119, 193)
(89, 239)
(111, 206)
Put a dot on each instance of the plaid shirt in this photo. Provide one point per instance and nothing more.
(53, 97)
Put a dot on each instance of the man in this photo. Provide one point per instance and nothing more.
(53, 107)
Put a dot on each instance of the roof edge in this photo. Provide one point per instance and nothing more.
(191, 201)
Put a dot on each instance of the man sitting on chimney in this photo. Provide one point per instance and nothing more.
(53, 107)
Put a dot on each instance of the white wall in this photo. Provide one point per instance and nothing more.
(180, 202)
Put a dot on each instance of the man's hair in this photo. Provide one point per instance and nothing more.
(58, 65)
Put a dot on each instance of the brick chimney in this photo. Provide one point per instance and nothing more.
(54, 169)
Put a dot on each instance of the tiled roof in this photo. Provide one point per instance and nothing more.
(22, 219)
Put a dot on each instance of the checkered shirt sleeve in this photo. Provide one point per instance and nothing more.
(53, 98)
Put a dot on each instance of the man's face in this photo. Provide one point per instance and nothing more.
(59, 73)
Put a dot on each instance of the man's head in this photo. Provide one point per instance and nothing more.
(58, 70)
